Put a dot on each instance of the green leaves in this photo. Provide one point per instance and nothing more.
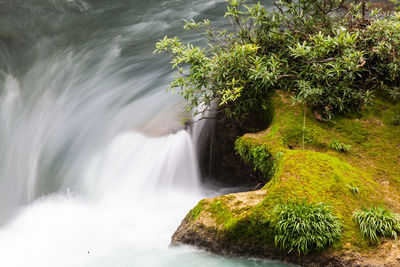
(327, 61)
(328, 70)
(336, 145)
(258, 156)
(304, 227)
(234, 75)
(376, 222)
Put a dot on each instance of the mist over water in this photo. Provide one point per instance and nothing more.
(95, 169)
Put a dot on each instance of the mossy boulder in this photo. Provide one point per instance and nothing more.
(294, 154)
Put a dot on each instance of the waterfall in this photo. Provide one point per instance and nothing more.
(135, 165)
(131, 198)
(96, 169)
(92, 152)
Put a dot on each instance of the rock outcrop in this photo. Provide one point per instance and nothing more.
(300, 164)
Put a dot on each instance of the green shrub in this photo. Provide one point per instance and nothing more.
(234, 74)
(305, 227)
(336, 145)
(376, 222)
(333, 62)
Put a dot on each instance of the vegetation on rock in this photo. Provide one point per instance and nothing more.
(366, 176)
(338, 146)
(258, 156)
(305, 227)
(303, 62)
(330, 55)
(376, 222)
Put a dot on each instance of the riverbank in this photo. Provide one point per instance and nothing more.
(307, 168)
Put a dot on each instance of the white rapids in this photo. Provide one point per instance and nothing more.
(95, 168)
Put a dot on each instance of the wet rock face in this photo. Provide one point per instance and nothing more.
(195, 233)
(208, 238)
(220, 165)
(242, 223)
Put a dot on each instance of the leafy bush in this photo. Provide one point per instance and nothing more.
(331, 59)
(305, 227)
(234, 75)
(336, 145)
(376, 222)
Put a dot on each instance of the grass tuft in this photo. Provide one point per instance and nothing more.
(354, 189)
(376, 222)
(336, 145)
(305, 227)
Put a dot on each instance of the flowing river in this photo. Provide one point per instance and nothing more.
(94, 168)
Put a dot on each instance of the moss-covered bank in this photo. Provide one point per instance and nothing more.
(368, 174)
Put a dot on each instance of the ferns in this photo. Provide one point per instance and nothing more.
(377, 222)
(305, 227)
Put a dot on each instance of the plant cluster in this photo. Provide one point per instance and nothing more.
(336, 145)
(326, 52)
(396, 120)
(258, 156)
(376, 222)
(304, 227)
(354, 189)
(396, 4)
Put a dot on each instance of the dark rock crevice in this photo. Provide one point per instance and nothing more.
(219, 163)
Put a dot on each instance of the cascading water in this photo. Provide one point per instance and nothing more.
(94, 168)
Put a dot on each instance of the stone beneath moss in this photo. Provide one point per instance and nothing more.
(369, 174)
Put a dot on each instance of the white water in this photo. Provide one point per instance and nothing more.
(135, 193)
(94, 170)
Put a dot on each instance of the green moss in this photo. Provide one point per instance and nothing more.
(257, 155)
(255, 229)
(352, 130)
(195, 212)
(395, 120)
(367, 175)
(317, 177)
(220, 211)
